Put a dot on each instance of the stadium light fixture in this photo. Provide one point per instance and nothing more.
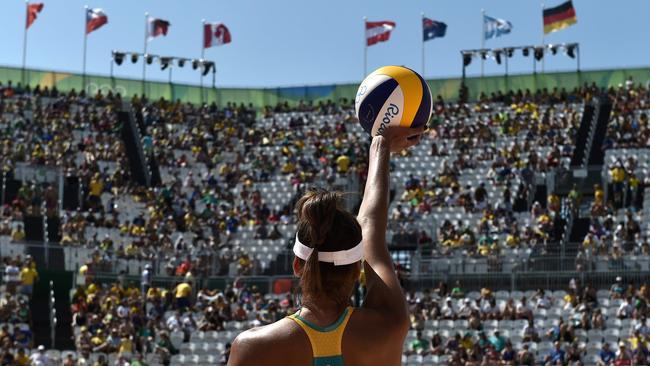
(118, 57)
(539, 53)
(467, 58)
(165, 62)
(570, 50)
(497, 55)
(207, 66)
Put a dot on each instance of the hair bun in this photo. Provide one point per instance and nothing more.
(318, 208)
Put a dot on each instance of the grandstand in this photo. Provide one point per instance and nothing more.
(525, 216)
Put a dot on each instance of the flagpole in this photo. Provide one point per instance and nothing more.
(83, 74)
(482, 39)
(423, 63)
(25, 42)
(365, 49)
(144, 53)
(202, 57)
(543, 47)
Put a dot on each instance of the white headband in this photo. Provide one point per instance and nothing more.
(340, 258)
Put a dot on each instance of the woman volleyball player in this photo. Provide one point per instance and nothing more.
(330, 245)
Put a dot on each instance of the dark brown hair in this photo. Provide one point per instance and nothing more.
(325, 226)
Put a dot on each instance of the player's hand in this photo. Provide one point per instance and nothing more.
(401, 138)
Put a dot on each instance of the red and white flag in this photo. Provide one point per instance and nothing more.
(215, 34)
(156, 27)
(95, 19)
(32, 12)
(378, 31)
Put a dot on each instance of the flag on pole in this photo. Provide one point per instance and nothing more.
(495, 27)
(432, 29)
(559, 17)
(378, 31)
(156, 27)
(215, 34)
(95, 19)
(32, 12)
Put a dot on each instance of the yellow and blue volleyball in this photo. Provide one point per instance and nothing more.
(393, 95)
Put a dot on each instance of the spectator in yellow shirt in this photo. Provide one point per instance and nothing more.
(21, 359)
(18, 234)
(182, 292)
(28, 275)
(343, 163)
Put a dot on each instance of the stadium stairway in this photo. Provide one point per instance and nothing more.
(602, 111)
(577, 160)
(40, 307)
(154, 169)
(579, 230)
(133, 144)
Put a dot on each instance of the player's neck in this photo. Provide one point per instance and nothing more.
(322, 311)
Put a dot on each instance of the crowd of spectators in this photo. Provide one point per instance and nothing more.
(135, 321)
(16, 328)
(464, 328)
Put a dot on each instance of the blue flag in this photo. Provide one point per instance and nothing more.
(496, 27)
(432, 29)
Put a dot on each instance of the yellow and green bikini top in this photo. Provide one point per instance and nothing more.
(325, 341)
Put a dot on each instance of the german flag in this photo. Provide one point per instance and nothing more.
(559, 17)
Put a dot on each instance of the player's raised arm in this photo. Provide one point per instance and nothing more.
(384, 291)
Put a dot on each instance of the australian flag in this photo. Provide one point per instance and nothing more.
(432, 29)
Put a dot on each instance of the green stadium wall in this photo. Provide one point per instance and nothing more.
(447, 88)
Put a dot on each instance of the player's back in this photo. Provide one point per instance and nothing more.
(359, 337)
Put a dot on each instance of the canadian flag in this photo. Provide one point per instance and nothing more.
(215, 34)
(378, 31)
(156, 27)
(95, 19)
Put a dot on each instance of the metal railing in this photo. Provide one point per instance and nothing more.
(53, 318)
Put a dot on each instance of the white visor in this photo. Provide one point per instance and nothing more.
(340, 258)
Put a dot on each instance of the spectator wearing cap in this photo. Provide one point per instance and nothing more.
(617, 290)
(38, 358)
(623, 356)
(605, 356)
(466, 309)
(145, 279)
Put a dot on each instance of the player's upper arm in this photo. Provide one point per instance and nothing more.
(241, 353)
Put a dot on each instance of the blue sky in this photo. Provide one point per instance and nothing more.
(304, 42)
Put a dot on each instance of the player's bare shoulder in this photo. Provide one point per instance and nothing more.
(268, 345)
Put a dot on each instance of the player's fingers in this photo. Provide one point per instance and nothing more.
(416, 131)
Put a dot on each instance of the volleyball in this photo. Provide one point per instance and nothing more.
(393, 95)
